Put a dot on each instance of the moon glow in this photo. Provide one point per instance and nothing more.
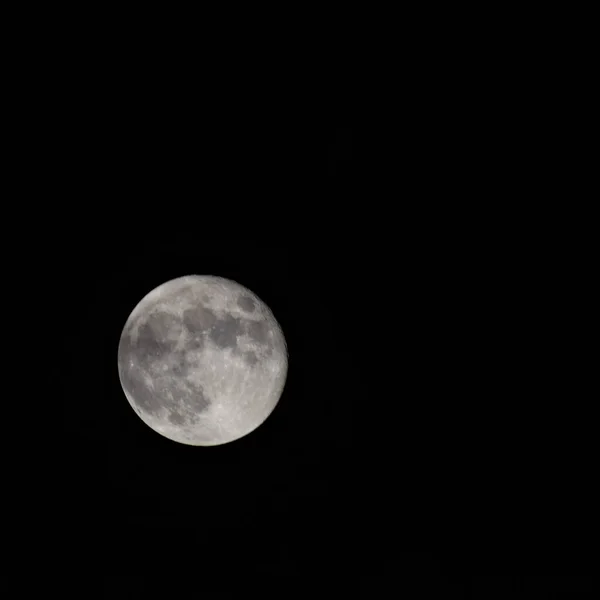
(202, 360)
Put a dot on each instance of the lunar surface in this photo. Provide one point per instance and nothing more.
(202, 360)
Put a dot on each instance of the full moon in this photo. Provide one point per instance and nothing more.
(202, 360)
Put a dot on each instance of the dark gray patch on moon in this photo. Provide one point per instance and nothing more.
(258, 331)
(153, 337)
(246, 303)
(165, 395)
(196, 400)
(134, 384)
(225, 331)
(250, 358)
(162, 324)
(186, 291)
(196, 343)
(179, 366)
(148, 348)
(176, 418)
(199, 319)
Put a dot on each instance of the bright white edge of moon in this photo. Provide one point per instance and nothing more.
(202, 360)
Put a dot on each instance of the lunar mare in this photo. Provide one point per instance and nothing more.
(202, 360)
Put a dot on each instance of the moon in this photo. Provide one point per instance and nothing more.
(202, 360)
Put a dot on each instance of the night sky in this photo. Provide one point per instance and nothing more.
(272, 500)
(401, 458)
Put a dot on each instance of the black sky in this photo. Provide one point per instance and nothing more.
(401, 453)
(232, 203)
